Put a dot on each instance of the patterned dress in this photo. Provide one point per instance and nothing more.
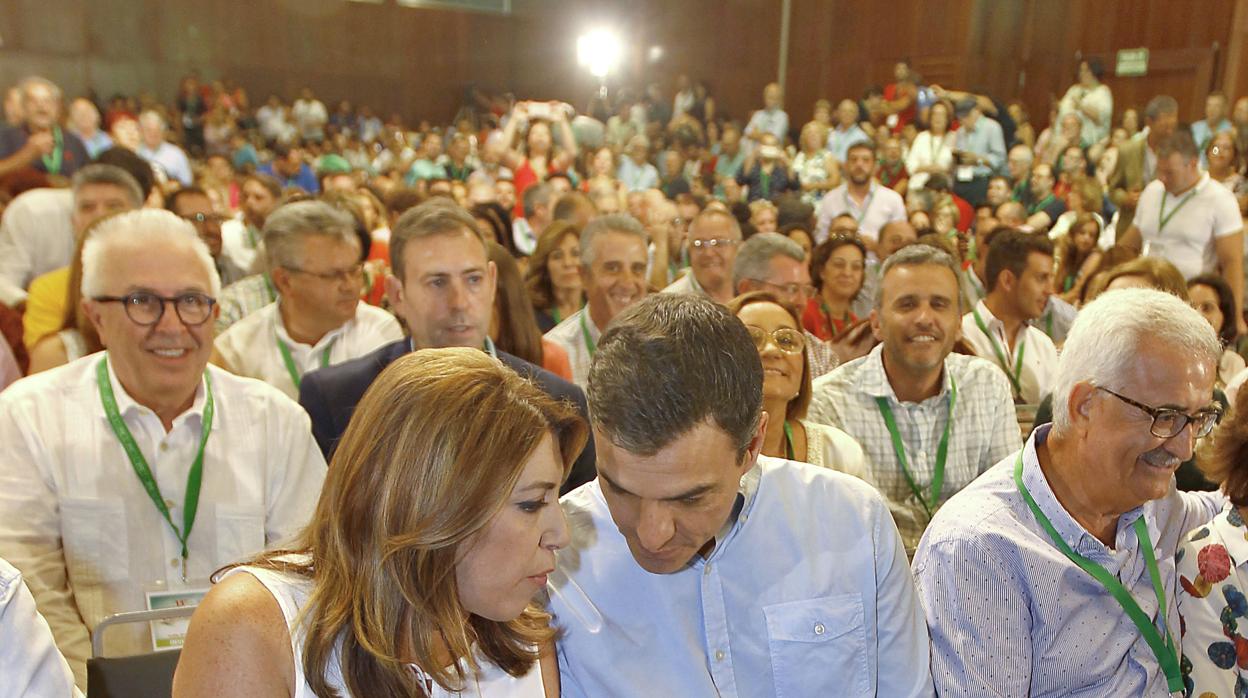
(1214, 609)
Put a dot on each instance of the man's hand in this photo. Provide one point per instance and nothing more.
(40, 144)
(853, 343)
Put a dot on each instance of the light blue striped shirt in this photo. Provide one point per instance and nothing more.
(1010, 615)
(807, 593)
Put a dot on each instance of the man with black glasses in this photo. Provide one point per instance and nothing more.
(1075, 535)
(131, 475)
(317, 319)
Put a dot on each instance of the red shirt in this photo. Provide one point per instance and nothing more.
(817, 322)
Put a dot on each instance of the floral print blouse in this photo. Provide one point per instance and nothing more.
(1213, 608)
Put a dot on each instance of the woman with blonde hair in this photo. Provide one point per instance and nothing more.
(554, 276)
(437, 526)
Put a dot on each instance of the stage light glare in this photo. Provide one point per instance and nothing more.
(599, 52)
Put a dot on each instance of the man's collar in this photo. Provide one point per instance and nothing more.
(741, 509)
(873, 380)
(325, 340)
(126, 404)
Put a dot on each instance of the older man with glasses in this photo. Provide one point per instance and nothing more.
(1074, 537)
(714, 238)
(318, 319)
(131, 475)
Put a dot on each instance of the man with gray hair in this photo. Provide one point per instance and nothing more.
(930, 421)
(688, 572)
(130, 475)
(773, 263)
(317, 319)
(714, 237)
(39, 143)
(538, 203)
(613, 270)
(635, 171)
(1137, 158)
(165, 156)
(1064, 552)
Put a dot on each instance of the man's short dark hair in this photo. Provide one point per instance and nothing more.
(1180, 142)
(1009, 251)
(1159, 105)
(540, 193)
(669, 363)
(567, 206)
(437, 216)
(171, 201)
(136, 166)
(861, 145)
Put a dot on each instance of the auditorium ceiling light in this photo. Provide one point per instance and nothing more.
(599, 52)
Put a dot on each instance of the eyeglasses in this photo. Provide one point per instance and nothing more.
(712, 243)
(147, 308)
(787, 340)
(1168, 422)
(790, 290)
(199, 219)
(354, 273)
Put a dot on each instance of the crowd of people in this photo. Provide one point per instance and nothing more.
(646, 399)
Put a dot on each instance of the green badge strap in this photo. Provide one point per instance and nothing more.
(556, 315)
(1162, 218)
(290, 361)
(1040, 205)
(52, 162)
(268, 287)
(788, 441)
(1016, 377)
(866, 205)
(1165, 652)
(193, 479)
(942, 450)
(589, 341)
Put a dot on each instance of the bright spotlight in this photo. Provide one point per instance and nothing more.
(598, 51)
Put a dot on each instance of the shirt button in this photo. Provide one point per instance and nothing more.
(719, 655)
(707, 569)
(169, 504)
(164, 446)
(819, 628)
(175, 562)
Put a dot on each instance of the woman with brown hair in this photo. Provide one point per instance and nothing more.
(512, 327)
(1078, 257)
(777, 333)
(554, 277)
(436, 528)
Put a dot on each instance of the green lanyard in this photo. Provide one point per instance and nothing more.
(1164, 651)
(52, 163)
(1162, 218)
(290, 361)
(193, 479)
(589, 341)
(1039, 206)
(827, 314)
(942, 450)
(788, 441)
(268, 287)
(1017, 376)
(556, 315)
(866, 205)
(764, 183)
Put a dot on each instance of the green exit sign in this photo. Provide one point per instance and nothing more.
(1132, 62)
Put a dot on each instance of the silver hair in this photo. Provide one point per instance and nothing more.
(754, 258)
(153, 115)
(610, 223)
(97, 173)
(1110, 332)
(286, 229)
(1159, 105)
(720, 214)
(33, 80)
(914, 255)
(143, 229)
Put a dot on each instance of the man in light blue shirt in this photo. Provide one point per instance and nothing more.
(1016, 570)
(699, 568)
(168, 157)
(847, 131)
(635, 172)
(980, 152)
(771, 118)
(1214, 123)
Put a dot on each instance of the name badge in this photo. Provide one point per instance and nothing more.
(965, 173)
(171, 634)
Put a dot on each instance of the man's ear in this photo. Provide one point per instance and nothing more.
(755, 446)
(394, 291)
(91, 310)
(1079, 405)
(876, 330)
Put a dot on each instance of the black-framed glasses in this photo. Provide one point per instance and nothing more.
(787, 340)
(1169, 422)
(806, 290)
(147, 308)
(353, 273)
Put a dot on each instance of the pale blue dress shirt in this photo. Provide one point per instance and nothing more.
(636, 177)
(806, 593)
(839, 141)
(985, 139)
(1010, 615)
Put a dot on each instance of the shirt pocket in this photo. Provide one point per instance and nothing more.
(818, 646)
(240, 532)
(94, 536)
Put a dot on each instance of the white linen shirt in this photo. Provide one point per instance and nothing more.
(806, 593)
(882, 206)
(76, 520)
(985, 429)
(1039, 354)
(1187, 241)
(30, 664)
(36, 237)
(249, 346)
(569, 335)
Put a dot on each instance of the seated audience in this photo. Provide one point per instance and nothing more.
(91, 525)
(685, 511)
(438, 523)
(317, 320)
(930, 421)
(1078, 531)
(1020, 279)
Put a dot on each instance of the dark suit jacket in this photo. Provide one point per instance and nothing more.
(330, 395)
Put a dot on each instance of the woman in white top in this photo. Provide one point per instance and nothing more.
(777, 333)
(437, 526)
(814, 166)
(932, 150)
